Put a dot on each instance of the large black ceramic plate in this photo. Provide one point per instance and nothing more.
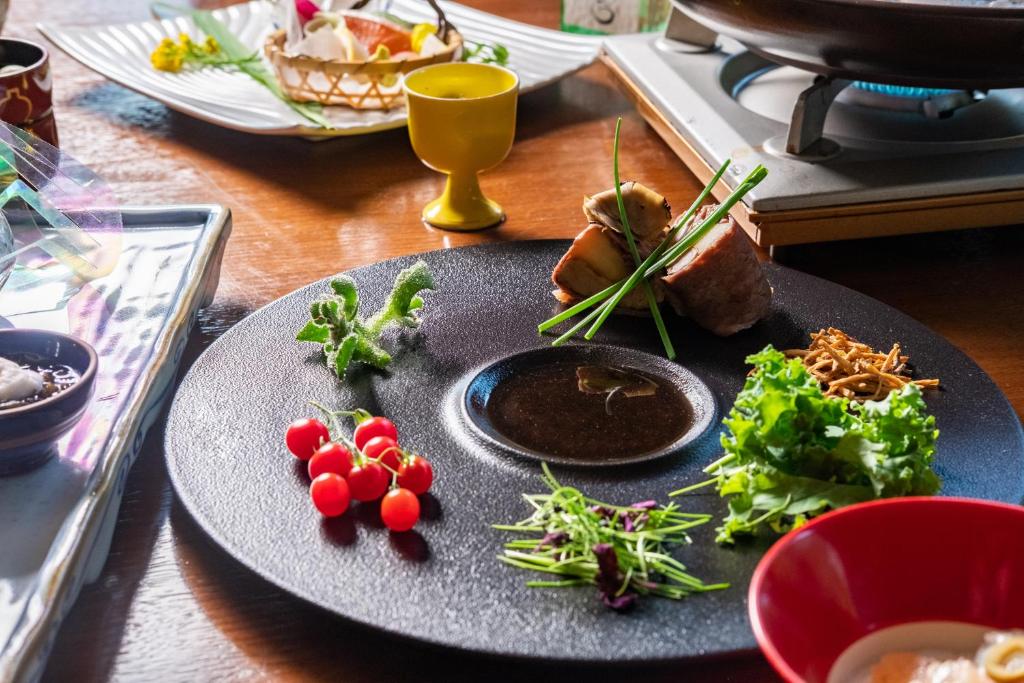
(443, 584)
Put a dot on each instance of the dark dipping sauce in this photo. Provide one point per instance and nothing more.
(544, 409)
(56, 378)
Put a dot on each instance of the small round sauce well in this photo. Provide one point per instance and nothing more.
(588, 405)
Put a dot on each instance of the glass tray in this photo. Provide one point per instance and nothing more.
(56, 522)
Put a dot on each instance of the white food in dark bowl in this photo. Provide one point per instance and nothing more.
(17, 383)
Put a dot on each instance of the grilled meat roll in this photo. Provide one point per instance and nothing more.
(719, 282)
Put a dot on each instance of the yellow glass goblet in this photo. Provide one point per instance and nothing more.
(462, 119)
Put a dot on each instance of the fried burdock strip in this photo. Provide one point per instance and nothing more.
(851, 369)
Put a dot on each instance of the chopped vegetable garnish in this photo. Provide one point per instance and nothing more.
(485, 53)
(346, 337)
(623, 550)
(792, 452)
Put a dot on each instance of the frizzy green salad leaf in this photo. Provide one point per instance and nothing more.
(792, 453)
(347, 338)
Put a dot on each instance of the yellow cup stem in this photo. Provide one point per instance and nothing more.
(462, 205)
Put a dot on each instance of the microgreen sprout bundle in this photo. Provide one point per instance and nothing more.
(622, 550)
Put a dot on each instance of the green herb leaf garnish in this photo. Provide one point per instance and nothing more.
(335, 322)
(485, 53)
(792, 452)
(623, 550)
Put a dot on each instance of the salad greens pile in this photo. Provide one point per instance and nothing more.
(622, 550)
(792, 453)
(335, 323)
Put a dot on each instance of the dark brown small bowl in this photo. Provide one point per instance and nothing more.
(29, 433)
(27, 100)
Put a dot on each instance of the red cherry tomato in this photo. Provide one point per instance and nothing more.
(384, 449)
(305, 436)
(368, 481)
(416, 474)
(331, 457)
(400, 509)
(330, 494)
(375, 426)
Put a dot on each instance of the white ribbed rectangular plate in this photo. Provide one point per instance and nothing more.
(233, 100)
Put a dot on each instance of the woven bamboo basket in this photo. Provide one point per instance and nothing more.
(360, 85)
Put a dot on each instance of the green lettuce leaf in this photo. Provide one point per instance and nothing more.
(792, 452)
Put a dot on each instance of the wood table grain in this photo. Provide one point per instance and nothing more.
(169, 605)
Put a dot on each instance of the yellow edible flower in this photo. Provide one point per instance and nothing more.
(419, 34)
(168, 56)
(172, 56)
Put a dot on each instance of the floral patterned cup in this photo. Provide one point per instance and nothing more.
(26, 88)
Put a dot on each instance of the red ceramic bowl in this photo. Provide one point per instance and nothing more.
(867, 567)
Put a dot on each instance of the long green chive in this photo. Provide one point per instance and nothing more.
(694, 236)
(624, 218)
(580, 307)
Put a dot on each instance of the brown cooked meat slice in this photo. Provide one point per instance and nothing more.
(648, 211)
(719, 282)
(594, 261)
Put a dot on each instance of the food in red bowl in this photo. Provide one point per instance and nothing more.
(928, 577)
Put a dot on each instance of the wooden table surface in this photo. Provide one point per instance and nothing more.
(171, 606)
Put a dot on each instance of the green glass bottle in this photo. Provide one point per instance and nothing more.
(605, 17)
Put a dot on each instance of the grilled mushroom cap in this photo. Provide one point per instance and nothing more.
(647, 210)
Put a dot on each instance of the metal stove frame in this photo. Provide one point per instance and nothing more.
(818, 189)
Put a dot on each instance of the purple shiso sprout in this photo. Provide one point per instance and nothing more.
(619, 603)
(552, 539)
(631, 523)
(609, 579)
(645, 505)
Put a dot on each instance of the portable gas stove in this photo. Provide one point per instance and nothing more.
(846, 158)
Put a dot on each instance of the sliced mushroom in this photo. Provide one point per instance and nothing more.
(648, 211)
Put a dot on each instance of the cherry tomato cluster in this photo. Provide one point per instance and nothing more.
(368, 467)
